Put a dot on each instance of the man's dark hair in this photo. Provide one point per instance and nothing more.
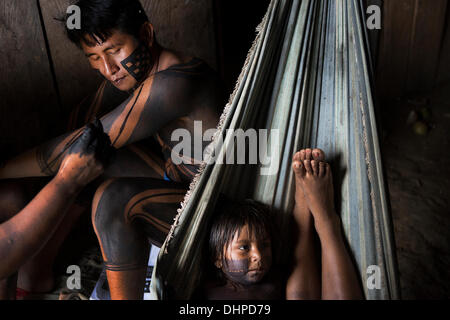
(99, 18)
(230, 216)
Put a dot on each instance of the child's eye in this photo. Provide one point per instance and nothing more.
(244, 247)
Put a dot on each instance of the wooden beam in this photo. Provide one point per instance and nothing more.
(398, 17)
(410, 45)
(185, 26)
(443, 75)
(75, 77)
(28, 103)
(428, 28)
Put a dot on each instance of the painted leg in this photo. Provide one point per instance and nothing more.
(126, 214)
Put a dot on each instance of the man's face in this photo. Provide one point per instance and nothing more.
(107, 56)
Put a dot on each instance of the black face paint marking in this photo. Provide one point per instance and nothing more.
(236, 271)
(138, 63)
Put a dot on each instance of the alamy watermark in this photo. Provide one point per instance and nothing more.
(373, 281)
(239, 147)
(374, 20)
(73, 282)
(74, 17)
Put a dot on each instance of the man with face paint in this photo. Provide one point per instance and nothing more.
(148, 92)
(24, 231)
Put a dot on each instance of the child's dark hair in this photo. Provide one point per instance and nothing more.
(230, 216)
(99, 18)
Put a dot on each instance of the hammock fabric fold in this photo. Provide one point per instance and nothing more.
(308, 75)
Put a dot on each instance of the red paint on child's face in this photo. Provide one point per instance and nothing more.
(253, 258)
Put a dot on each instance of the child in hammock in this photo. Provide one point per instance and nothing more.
(242, 244)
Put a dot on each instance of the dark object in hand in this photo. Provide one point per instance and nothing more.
(94, 140)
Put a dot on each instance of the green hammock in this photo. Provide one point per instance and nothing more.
(308, 74)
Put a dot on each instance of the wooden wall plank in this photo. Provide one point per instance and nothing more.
(28, 103)
(410, 44)
(75, 77)
(444, 59)
(398, 17)
(182, 25)
(425, 45)
(185, 25)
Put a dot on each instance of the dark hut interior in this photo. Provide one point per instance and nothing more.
(44, 76)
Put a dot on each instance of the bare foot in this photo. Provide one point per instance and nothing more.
(315, 179)
(301, 204)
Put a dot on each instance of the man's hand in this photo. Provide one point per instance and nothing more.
(86, 158)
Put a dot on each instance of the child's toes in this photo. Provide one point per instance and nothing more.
(315, 167)
(322, 169)
(298, 168)
(318, 154)
(328, 172)
(308, 167)
(302, 154)
(297, 156)
(308, 154)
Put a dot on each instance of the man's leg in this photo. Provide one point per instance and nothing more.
(37, 274)
(126, 213)
(13, 198)
(133, 161)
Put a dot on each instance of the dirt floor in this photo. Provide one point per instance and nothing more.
(417, 165)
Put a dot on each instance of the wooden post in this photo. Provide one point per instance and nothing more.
(28, 100)
(75, 78)
(410, 45)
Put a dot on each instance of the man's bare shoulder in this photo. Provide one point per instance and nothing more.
(170, 58)
(167, 60)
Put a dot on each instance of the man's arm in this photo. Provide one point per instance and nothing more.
(159, 100)
(24, 235)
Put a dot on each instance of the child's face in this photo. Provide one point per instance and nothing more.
(247, 260)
